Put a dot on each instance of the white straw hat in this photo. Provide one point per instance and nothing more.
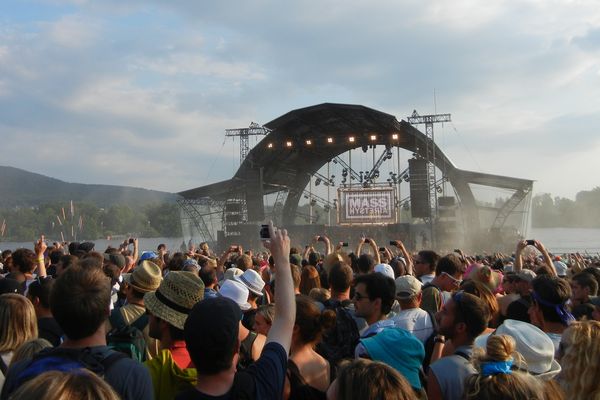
(237, 292)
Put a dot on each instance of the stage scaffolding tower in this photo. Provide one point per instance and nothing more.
(430, 156)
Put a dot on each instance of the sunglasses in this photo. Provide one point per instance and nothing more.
(457, 282)
(359, 297)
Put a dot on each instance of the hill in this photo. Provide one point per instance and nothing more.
(21, 188)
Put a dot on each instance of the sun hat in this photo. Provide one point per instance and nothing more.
(146, 277)
(230, 274)
(534, 345)
(177, 294)
(237, 292)
(252, 280)
(212, 328)
(385, 269)
(399, 349)
(407, 286)
(526, 275)
(485, 275)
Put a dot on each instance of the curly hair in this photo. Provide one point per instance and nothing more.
(501, 386)
(580, 348)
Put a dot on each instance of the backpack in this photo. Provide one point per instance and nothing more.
(65, 360)
(429, 343)
(339, 342)
(128, 339)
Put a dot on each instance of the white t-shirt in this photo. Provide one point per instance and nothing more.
(416, 321)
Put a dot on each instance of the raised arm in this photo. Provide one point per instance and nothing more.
(406, 255)
(285, 300)
(542, 249)
(375, 250)
(518, 266)
(40, 247)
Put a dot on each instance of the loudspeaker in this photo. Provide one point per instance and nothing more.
(446, 201)
(419, 188)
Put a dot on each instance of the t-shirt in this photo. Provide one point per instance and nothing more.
(452, 371)
(432, 298)
(49, 329)
(126, 376)
(518, 309)
(262, 380)
(415, 320)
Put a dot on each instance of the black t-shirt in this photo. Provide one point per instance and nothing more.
(49, 329)
(262, 380)
(518, 309)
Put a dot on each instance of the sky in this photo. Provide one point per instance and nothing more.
(140, 93)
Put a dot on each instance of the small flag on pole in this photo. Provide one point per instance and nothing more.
(72, 209)
(58, 218)
(3, 227)
(64, 217)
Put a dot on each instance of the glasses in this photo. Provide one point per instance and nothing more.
(457, 282)
(359, 297)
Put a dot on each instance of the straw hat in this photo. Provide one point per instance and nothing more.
(146, 277)
(485, 275)
(177, 294)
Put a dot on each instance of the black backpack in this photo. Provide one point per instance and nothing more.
(429, 343)
(127, 339)
(340, 341)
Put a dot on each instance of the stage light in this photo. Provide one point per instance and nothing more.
(329, 140)
(288, 144)
(317, 181)
(365, 148)
(373, 137)
(351, 139)
(308, 142)
(270, 145)
(395, 136)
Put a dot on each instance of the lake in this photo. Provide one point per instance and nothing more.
(557, 240)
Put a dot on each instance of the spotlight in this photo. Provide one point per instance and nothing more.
(373, 137)
(351, 139)
(270, 145)
(395, 136)
(308, 142)
(317, 181)
(329, 140)
(288, 144)
(313, 202)
(365, 148)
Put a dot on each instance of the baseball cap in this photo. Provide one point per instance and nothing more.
(407, 286)
(385, 269)
(526, 275)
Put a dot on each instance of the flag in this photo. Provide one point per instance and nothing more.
(3, 227)
(80, 222)
(58, 218)
(64, 217)
(62, 237)
(72, 209)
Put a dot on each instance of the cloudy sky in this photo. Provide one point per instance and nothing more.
(140, 92)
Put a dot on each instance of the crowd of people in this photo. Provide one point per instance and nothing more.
(306, 322)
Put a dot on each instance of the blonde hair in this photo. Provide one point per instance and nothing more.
(18, 323)
(57, 385)
(370, 380)
(581, 360)
(502, 386)
(30, 348)
(319, 294)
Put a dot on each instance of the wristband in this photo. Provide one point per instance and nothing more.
(439, 339)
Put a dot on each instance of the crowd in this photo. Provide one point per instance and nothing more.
(310, 322)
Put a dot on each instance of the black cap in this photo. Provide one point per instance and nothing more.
(212, 327)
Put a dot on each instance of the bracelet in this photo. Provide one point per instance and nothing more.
(40, 259)
(439, 339)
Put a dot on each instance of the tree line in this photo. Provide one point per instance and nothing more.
(554, 212)
(86, 221)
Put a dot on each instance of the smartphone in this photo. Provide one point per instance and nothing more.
(344, 244)
(367, 241)
(382, 249)
(457, 251)
(264, 232)
(131, 240)
(530, 242)
(392, 243)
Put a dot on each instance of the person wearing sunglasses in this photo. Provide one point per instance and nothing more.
(461, 319)
(448, 277)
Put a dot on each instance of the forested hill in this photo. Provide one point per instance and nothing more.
(20, 188)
